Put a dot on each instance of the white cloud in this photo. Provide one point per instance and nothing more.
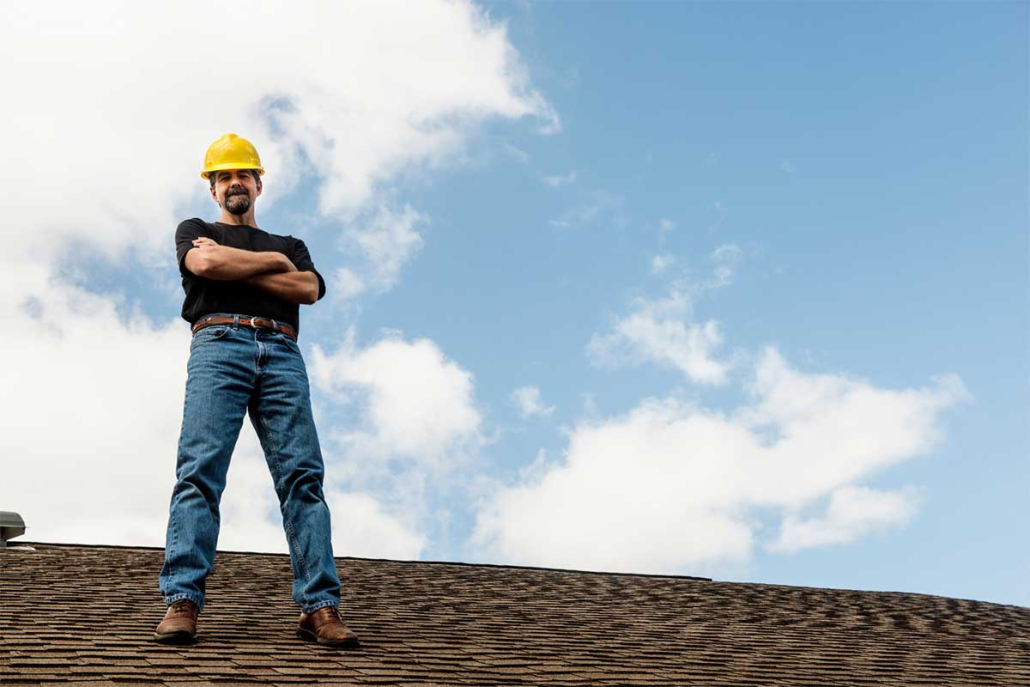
(665, 225)
(417, 406)
(405, 422)
(557, 181)
(362, 528)
(851, 426)
(93, 403)
(853, 512)
(659, 331)
(673, 487)
(527, 400)
(345, 284)
(662, 331)
(385, 242)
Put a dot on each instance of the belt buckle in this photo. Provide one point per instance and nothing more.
(254, 325)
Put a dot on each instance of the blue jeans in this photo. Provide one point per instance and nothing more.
(234, 370)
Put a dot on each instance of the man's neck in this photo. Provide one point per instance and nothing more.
(244, 220)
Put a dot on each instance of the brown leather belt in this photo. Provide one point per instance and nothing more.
(255, 322)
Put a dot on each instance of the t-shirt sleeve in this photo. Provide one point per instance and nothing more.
(301, 259)
(188, 231)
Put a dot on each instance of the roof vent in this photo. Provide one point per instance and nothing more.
(11, 526)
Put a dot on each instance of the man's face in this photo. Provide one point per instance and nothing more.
(236, 189)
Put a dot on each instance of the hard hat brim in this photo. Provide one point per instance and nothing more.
(206, 174)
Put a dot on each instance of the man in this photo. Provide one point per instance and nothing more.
(243, 290)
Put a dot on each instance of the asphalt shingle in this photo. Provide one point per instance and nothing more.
(74, 614)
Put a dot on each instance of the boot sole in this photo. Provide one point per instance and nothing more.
(309, 636)
(176, 638)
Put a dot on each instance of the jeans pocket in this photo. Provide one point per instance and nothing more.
(207, 334)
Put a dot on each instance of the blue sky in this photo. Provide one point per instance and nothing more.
(759, 270)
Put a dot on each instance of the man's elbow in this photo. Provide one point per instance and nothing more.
(198, 264)
(311, 292)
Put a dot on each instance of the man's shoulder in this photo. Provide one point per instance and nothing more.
(195, 225)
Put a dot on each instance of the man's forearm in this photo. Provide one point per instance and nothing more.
(225, 263)
(295, 287)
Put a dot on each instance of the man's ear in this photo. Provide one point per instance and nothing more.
(214, 197)
(259, 186)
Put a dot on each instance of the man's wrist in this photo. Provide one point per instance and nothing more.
(277, 262)
(274, 262)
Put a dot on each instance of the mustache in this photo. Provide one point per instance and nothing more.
(236, 191)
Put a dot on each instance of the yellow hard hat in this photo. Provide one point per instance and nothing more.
(231, 152)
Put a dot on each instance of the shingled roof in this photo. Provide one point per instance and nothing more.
(86, 615)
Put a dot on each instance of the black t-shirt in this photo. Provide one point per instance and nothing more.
(206, 296)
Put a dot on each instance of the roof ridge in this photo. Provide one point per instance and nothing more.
(389, 560)
(603, 573)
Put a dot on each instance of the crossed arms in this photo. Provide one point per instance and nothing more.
(268, 270)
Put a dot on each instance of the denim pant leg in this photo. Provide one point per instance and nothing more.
(281, 414)
(218, 387)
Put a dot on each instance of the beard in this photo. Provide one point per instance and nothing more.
(237, 203)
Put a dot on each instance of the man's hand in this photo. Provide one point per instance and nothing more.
(204, 246)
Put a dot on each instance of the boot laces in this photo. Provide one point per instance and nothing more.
(182, 606)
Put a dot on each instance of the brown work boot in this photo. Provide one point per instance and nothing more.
(179, 625)
(325, 627)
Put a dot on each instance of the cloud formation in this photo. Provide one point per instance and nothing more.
(379, 246)
(400, 421)
(527, 399)
(660, 331)
(94, 406)
(852, 513)
(416, 404)
(369, 531)
(672, 486)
